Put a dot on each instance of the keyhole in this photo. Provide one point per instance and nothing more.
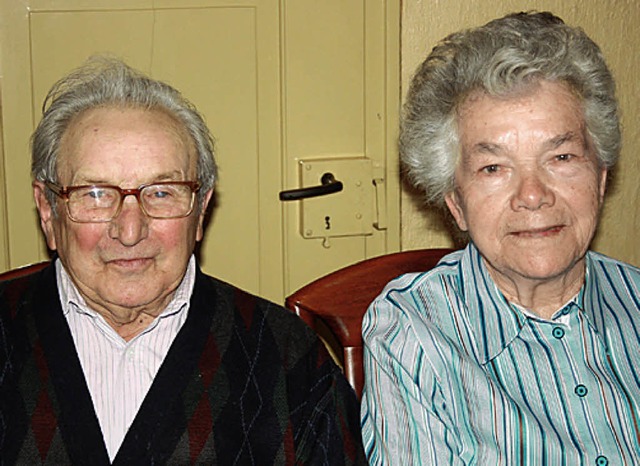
(327, 223)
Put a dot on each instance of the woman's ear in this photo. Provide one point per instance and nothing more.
(604, 176)
(46, 213)
(457, 210)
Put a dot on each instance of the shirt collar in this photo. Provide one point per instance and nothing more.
(71, 299)
(493, 321)
(589, 300)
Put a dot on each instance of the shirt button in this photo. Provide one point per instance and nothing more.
(581, 391)
(558, 332)
(602, 461)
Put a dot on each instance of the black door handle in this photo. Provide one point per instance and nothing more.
(329, 185)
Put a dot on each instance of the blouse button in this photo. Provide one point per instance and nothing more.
(602, 461)
(581, 391)
(558, 332)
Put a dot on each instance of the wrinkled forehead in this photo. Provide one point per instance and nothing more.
(519, 91)
(541, 99)
(126, 135)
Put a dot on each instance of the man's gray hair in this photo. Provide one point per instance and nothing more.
(502, 57)
(103, 82)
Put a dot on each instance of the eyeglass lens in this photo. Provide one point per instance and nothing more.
(102, 203)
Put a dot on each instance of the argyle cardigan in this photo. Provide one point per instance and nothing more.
(245, 382)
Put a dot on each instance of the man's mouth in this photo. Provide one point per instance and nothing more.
(130, 263)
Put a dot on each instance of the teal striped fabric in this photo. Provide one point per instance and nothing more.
(456, 375)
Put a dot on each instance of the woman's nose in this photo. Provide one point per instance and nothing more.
(532, 192)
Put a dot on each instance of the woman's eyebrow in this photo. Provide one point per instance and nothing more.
(484, 147)
(561, 139)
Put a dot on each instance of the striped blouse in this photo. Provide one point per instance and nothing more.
(456, 375)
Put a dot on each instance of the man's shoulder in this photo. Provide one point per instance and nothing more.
(250, 310)
(16, 284)
(271, 364)
(18, 291)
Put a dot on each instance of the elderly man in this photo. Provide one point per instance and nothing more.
(122, 351)
(522, 348)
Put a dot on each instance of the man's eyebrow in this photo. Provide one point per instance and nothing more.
(160, 177)
(169, 176)
(82, 181)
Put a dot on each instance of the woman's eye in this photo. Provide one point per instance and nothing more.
(490, 168)
(564, 157)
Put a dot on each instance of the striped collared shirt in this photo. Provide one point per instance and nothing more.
(457, 375)
(119, 373)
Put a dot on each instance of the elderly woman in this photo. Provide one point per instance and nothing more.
(524, 347)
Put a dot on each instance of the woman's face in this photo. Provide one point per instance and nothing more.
(528, 185)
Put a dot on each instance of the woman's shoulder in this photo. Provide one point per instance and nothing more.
(432, 283)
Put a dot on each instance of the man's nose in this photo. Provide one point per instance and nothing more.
(532, 191)
(131, 225)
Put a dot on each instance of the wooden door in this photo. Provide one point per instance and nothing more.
(340, 113)
(266, 74)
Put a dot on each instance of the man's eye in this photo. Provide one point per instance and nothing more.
(160, 193)
(94, 196)
(96, 193)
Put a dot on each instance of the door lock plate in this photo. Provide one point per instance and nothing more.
(348, 212)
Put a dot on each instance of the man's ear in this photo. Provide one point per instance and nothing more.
(453, 203)
(203, 212)
(46, 213)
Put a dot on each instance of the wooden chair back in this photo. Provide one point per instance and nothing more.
(22, 271)
(339, 300)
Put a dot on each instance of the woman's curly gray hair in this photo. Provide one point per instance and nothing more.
(501, 57)
(106, 81)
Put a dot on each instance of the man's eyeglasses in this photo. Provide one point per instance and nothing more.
(102, 203)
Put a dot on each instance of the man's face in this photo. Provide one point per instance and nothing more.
(528, 186)
(134, 262)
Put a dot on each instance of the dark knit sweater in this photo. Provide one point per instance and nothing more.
(245, 382)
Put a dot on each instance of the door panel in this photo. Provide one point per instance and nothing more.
(339, 101)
